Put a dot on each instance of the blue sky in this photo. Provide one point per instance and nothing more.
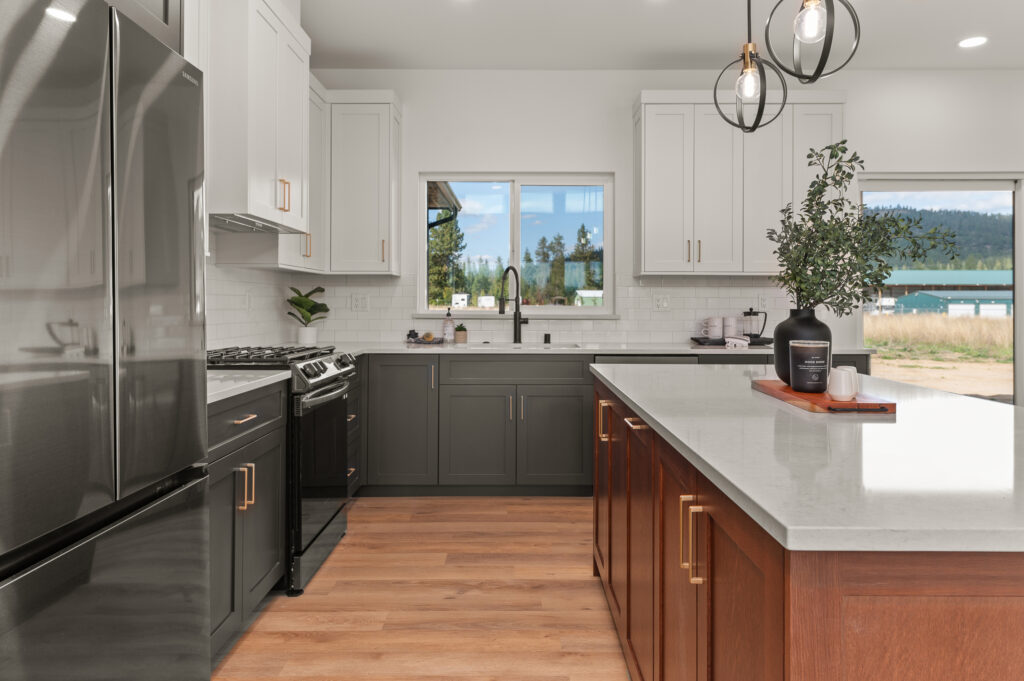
(545, 210)
(979, 201)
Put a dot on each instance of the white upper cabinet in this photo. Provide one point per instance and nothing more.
(665, 166)
(814, 126)
(365, 182)
(767, 188)
(706, 194)
(298, 252)
(257, 87)
(717, 193)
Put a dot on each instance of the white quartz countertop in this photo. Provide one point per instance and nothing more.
(224, 383)
(357, 349)
(944, 474)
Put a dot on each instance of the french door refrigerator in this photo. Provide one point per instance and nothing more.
(103, 517)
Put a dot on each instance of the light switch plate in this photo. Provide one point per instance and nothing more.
(661, 302)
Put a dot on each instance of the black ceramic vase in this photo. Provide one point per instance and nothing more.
(801, 325)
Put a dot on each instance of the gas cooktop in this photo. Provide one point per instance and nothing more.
(268, 357)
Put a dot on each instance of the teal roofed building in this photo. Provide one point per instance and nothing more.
(904, 282)
(957, 303)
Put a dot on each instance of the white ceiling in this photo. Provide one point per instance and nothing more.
(638, 34)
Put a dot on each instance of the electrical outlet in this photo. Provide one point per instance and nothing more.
(661, 302)
(360, 301)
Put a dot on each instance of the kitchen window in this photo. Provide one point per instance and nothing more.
(555, 230)
(948, 324)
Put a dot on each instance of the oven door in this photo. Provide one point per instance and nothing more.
(321, 458)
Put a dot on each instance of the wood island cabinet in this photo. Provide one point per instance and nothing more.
(699, 591)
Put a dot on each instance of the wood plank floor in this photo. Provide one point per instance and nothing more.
(496, 588)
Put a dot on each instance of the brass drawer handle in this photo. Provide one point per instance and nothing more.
(602, 436)
(382, 250)
(700, 250)
(522, 407)
(639, 425)
(284, 194)
(683, 498)
(690, 563)
(351, 417)
(511, 408)
(252, 467)
(351, 472)
(245, 489)
(688, 250)
(249, 417)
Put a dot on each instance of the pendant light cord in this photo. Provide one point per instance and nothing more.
(750, 34)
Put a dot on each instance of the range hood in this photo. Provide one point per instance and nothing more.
(245, 223)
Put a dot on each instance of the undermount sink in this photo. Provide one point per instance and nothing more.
(499, 346)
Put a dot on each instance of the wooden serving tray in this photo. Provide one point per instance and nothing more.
(822, 403)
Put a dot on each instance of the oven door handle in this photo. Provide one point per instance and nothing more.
(318, 397)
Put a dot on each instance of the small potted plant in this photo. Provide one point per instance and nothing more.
(460, 333)
(305, 311)
(833, 253)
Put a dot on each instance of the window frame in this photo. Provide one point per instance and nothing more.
(517, 180)
(968, 181)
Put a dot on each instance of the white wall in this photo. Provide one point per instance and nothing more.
(580, 121)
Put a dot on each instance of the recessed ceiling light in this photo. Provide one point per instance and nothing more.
(976, 41)
(60, 14)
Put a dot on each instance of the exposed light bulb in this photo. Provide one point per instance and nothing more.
(809, 25)
(748, 85)
(60, 14)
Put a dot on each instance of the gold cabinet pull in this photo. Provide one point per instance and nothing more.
(245, 489)
(522, 407)
(602, 436)
(639, 425)
(352, 417)
(284, 194)
(683, 499)
(246, 419)
(699, 250)
(309, 246)
(382, 250)
(252, 467)
(351, 472)
(431, 376)
(511, 408)
(688, 250)
(690, 563)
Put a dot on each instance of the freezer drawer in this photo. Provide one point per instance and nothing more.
(128, 603)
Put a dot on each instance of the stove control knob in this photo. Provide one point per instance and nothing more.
(322, 367)
(307, 371)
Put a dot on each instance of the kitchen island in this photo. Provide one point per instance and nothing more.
(738, 537)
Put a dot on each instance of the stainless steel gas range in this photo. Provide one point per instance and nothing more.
(317, 465)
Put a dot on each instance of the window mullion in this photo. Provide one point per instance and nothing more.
(515, 238)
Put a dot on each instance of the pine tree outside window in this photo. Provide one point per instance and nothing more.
(556, 229)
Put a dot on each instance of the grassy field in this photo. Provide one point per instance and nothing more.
(941, 338)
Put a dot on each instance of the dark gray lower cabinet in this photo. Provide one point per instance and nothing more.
(554, 439)
(477, 435)
(246, 532)
(402, 411)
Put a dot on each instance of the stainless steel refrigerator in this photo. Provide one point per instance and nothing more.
(103, 518)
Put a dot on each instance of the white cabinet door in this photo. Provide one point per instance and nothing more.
(667, 189)
(360, 187)
(717, 193)
(292, 124)
(266, 193)
(308, 251)
(767, 188)
(814, 126)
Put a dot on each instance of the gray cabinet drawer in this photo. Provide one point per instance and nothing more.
(242, 419)
(518, 369)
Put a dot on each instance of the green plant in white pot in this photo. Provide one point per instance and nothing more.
(834, 254)
(305, 311)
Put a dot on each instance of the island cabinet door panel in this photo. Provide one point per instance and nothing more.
(675, 599)
(739, 570)
(402, 419)
(477, 435)
(602, 479)
(227, 499)
(553, 435)
(640, 600)
(263, 537)
(618, 499)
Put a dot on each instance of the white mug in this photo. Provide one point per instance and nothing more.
(843, 384)
(730, 326)
(712, 327)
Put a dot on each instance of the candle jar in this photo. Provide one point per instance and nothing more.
(809, 365)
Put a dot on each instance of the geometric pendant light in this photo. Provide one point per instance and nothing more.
(751, 87)
(815, 22)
